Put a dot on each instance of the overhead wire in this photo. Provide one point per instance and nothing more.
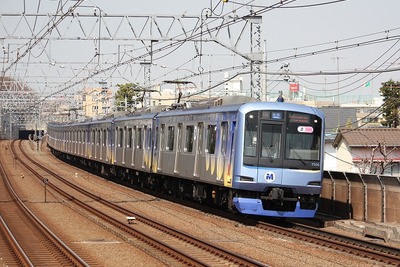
(365, 68)
(165, 48)
(179, 43)
(299, 6)
(41, 37)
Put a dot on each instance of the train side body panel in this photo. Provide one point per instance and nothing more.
(190, 154)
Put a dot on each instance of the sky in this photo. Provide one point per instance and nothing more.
(332, 49)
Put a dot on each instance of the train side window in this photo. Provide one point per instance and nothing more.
(250, 134)
(162, 134)
(129, 138)
(211, 138)
(120, 137)
(139, 138)
(224, 133)
(170, 140)
(98, 133)
(92, 137)
(200, 128)
(179, 137)
(189, 139)
(104, 137)
(157, 135)
(147, 140)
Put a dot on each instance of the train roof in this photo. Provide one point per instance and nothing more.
(281, 106)
(243, 107)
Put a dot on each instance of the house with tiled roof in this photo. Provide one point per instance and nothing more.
(368, 150)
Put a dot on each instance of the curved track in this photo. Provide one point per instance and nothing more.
(161, 241)
(28, 239)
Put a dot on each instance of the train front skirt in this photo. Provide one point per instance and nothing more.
(254, 206)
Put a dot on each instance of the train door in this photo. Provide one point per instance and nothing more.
(271, 152)
(114, 145)
(139, 147)
(79, 142)
(198, 148)
(96, 143)
(143, 146)
(105, 144)
(155, 151)
(67, 141)
(221, 154)
(147, 147)
(178, 148)
(123, 143)
(63, 142)
(100, 143)
(161, 148)
(128, 146)
(230, 152)
(73, 142)
(133, 146)
(83, 143)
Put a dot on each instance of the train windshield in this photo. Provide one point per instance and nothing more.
(282, 139)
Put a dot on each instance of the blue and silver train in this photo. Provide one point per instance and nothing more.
(259, 158)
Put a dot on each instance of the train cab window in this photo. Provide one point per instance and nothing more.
(303, 139)
(211, 138)
(170, 138)
(129, 138)
(271, 141)
(139, 138)
(189, 139)
(250, 134)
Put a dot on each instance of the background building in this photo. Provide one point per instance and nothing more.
(97, 101)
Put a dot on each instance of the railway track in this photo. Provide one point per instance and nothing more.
(26, 238)
(377, 252)
(161, 241)
(300, 231)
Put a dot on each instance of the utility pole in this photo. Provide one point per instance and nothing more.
(255, 55)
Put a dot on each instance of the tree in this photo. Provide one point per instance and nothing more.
(127, 95)
(349, 123)
(373, 165)
(390, 91)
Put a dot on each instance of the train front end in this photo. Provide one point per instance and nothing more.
(278, 160)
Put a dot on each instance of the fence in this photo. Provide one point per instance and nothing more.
(364, 197)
